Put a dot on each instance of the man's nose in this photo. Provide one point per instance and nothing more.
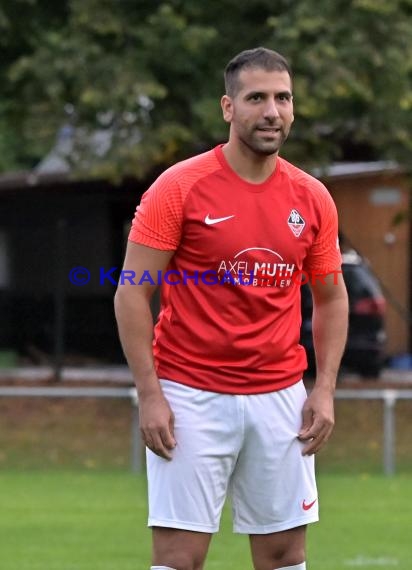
(271, 110)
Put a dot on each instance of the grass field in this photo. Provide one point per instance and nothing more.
(68, 501)
(58, 520)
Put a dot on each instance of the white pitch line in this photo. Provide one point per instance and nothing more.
(362, 561)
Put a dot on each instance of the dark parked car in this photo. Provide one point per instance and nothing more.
(365, 347)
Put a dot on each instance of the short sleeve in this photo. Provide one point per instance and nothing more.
(158, 219)
(324, 255)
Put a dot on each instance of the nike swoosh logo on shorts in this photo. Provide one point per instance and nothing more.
(210, 221)
(307, 506)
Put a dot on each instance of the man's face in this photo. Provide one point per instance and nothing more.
(261, 112)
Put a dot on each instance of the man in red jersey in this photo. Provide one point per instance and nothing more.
(223, 409)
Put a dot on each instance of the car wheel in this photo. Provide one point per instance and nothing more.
(370, 370)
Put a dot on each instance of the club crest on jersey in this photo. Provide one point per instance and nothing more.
(296, 223)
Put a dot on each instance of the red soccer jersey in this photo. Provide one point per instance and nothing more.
(230, 320)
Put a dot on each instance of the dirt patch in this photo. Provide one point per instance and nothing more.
(70, 433)
(92, 433)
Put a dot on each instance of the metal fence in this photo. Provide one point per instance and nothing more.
(136, 450)
(389, 398)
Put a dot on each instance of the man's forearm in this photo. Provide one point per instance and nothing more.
(330, 323)
(135, 324)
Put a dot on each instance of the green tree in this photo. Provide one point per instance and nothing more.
(138, 83)
(111, 67)
(353, 66)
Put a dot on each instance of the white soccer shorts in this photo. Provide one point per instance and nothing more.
(245, 447)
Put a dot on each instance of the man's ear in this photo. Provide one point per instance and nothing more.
(227, 108)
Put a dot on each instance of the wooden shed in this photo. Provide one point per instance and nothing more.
(373, 201)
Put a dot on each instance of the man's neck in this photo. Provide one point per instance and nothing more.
(248, 165)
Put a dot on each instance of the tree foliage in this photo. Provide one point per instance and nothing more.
(145, 78)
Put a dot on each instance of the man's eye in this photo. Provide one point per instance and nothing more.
(256, 97)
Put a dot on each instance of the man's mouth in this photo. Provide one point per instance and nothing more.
(269, 129)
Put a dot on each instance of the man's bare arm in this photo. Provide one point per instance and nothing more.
(329, 326)
(135, 324)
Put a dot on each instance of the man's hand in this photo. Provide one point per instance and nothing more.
(157, 424)
(318, 420)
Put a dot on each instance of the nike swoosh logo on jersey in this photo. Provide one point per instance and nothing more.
(210, 221)
(307, 506)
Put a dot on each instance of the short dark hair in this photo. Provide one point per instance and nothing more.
(259, 57)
